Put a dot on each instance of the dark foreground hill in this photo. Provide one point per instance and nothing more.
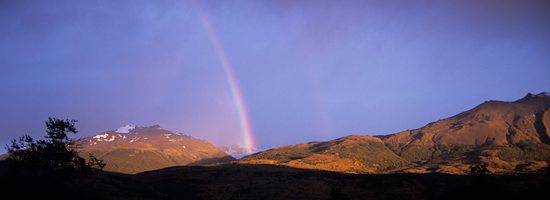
(507, 136)
(266, 182)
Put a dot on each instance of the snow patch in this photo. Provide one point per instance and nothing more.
(135, 139)
(110, 140)
(171, 140)
(167, 135)
(101, 136)
(125, 129)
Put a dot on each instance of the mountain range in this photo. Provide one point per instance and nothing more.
(507, 136)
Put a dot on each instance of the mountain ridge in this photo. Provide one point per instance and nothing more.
(509, 136)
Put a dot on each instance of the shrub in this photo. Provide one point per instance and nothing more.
(55, 154)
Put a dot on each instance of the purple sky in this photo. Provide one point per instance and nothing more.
(308, 70)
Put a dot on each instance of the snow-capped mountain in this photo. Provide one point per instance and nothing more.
(134, 149)
(238, 151)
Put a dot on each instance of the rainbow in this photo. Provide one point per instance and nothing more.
(245, 125)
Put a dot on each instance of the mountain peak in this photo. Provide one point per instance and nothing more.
(539, 95)
(130, 146)
(544, 94)
(125, 129)
(133, 128)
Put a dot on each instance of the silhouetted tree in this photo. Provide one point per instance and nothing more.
(56, 153)
(480, 169)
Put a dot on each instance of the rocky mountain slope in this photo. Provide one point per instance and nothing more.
(508, 136)
(132, 149)
(361, 154)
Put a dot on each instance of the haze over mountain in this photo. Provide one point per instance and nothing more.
(508, 136)
(133, 149)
